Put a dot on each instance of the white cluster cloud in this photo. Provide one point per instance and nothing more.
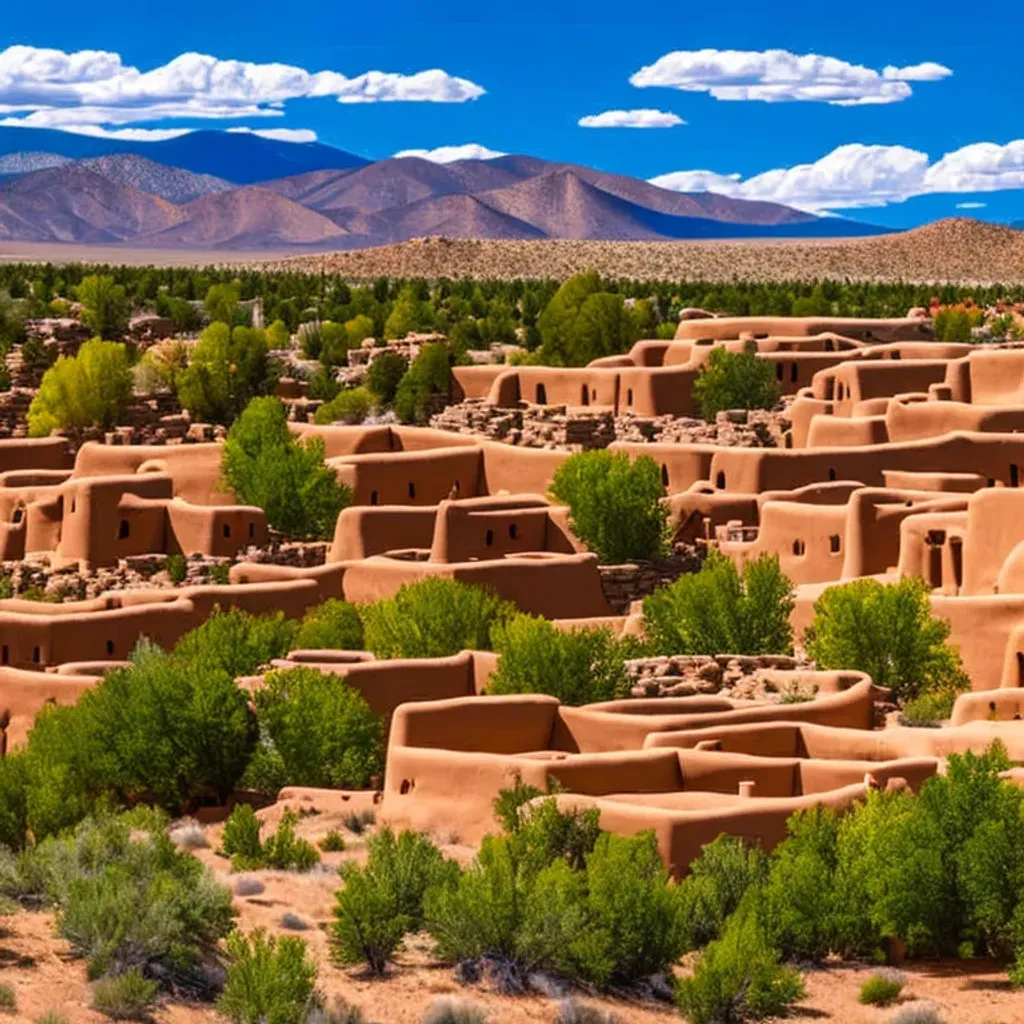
(644, 118)
(778, 75)
(47, 88)
(856, 175)
(449, 154)
(279, 134)
(971, 206)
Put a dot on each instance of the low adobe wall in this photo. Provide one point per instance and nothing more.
(859, 329)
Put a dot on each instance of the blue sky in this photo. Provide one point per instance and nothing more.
(517, 78)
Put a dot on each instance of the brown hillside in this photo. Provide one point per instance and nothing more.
(957, 250)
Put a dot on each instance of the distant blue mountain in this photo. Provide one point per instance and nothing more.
(238, 157)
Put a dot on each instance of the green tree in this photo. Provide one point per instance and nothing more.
(221, 303)
(410, 313)
(430, 374)
(105, 307)
(615, 504)
(721, 611)
(86, 390)
(228, 367)
(734, 380)
(889, 632)
(384, 375)
(278, 335)
(603, 327)
(266, 466)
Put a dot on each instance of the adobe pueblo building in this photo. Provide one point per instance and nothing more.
(905, 457)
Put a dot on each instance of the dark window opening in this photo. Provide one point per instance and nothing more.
(72, 506)
(19, 513)
(373, 497)
(629, 396)
(778, 371)
(584, 395)
(405, 787)
(720, 480)
(110, 647)
(834, 543)
(956, 548)
(593, 394)
(868, 335)
(489, 538)
(793, 371)
(5, 655)
(412, 489)
(227, 530)
(123, 530)
(542, 395)
(513, 531)
(664, 475)
(252, 530)
(35, 655)
(1014, 476)
(799, 547)
(831, 473)
(829, 347)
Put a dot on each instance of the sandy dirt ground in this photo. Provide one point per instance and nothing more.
(37, 964)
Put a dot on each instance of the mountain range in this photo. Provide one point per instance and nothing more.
(225, 190)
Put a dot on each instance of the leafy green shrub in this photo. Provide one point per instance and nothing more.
(333, 842)
(278, 335)
(615, 504)
(266, 466)
(285, 851)
(930, 707)
(882, 988)
(334, 625)
(13, 801)
(579, 666)
(738, 977)
(177, 568)
(125, 996)
(384, 374)
(86, 390)
(409, 313)
(221, 302)
(433, 618)
(887, 631)
(718, 880)
(236, 642)
(322, 731)
(270, 980)
(720, 611)
(734, 380)
(429, 374)
(952, 324)
(220, 574)
(105, 307)
(126, 899)
(349, 406)
(384, 900)
(323, 385)
(8, 998)
(227, 369)
(241, 834)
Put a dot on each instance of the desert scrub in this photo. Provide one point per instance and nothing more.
(357, 822)
(127, 996)
(269, 979)
(615, 504)
(453, 1010)
(882, 988)
(434, 618)
(917, 1013)
(333, 842)
(8, 999)
(578, 666)
(176, 568)
(722, 611)
(382, 901)
(282, 850)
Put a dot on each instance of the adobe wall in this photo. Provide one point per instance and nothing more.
(866, 330)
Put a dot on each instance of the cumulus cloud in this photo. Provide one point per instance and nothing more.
(123, 134)
(644, 118)
(449, 154)
(857, 176)
(279, 134)
(55, 89)
(774, 76)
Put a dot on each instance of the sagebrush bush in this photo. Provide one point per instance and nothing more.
(126, 996)
(334, 625)
(433, 618)
(270, 980)
(266, 466)
(882, 988)
(921, 1012)
(126, 899)
(572, 1011)
(383, 901)
(735, 380)
(615, 504)
(889, 632)
(739, 977)
(322, 730)
(333, 842)
(358, 821)
(579, 666)
(718, 880)
(452, 1010)
(722, 611)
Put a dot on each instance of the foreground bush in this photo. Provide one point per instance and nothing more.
(434, 618)
(127, 996)
(266, 466)
(89, 389)
(321, 730)
(383, 901)
(739, 978)
(882, 988)
(734, 380)
(126, 899)
(579, 666)
(615, 505)
(334, 625)
(889, 632)
(270, 980)
(283, 850)
(721, 611)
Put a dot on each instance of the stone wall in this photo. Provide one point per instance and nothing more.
(633, 581)
(729, 675)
